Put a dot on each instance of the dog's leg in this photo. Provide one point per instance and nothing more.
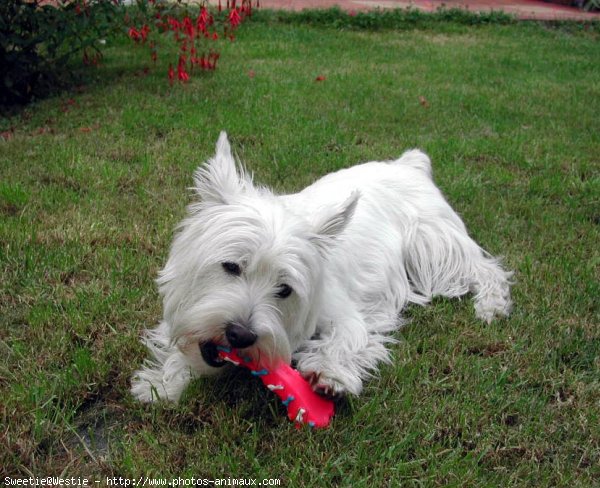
(443, 260)
(440, 257)
(166, 375)
(491, 286)
(344, 352)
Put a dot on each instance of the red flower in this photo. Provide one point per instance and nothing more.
(171, 74)
(234, 18)
(188, 27)
(134, 34)
(173, 24)
(144, 32)
(182, 74)
(246, 8)
(203, 19)
(213, 57)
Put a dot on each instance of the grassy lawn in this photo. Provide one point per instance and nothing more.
(90, 192)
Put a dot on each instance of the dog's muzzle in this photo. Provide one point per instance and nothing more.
(210, 354)
(238, 336)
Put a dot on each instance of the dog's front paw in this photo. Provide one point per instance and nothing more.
(332, 387)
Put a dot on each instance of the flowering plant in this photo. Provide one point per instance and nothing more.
(39, 37)
(195, 29)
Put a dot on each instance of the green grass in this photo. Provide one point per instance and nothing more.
(511, 123)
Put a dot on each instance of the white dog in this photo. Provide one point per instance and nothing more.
(319, 277)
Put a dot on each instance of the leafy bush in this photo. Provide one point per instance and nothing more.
(39, 37)
(405, 18)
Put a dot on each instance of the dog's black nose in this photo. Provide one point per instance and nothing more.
(239, 336)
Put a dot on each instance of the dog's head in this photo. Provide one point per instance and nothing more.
(246, 267)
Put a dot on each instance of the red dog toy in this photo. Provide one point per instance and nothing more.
(304, 406)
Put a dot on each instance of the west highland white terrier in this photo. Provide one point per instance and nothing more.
(318, 277)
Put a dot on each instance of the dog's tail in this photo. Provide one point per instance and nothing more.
(416, 159)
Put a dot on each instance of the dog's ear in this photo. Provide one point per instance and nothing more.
(331, 221)
(218, 180)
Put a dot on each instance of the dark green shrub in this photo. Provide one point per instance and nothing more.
(38, 38)
(401, 18)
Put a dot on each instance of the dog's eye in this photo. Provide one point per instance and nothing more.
(284, 291)
(232, 268)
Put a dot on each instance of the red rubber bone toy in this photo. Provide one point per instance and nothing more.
(304, 406)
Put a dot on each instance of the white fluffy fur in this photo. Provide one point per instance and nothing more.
(356, 247)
